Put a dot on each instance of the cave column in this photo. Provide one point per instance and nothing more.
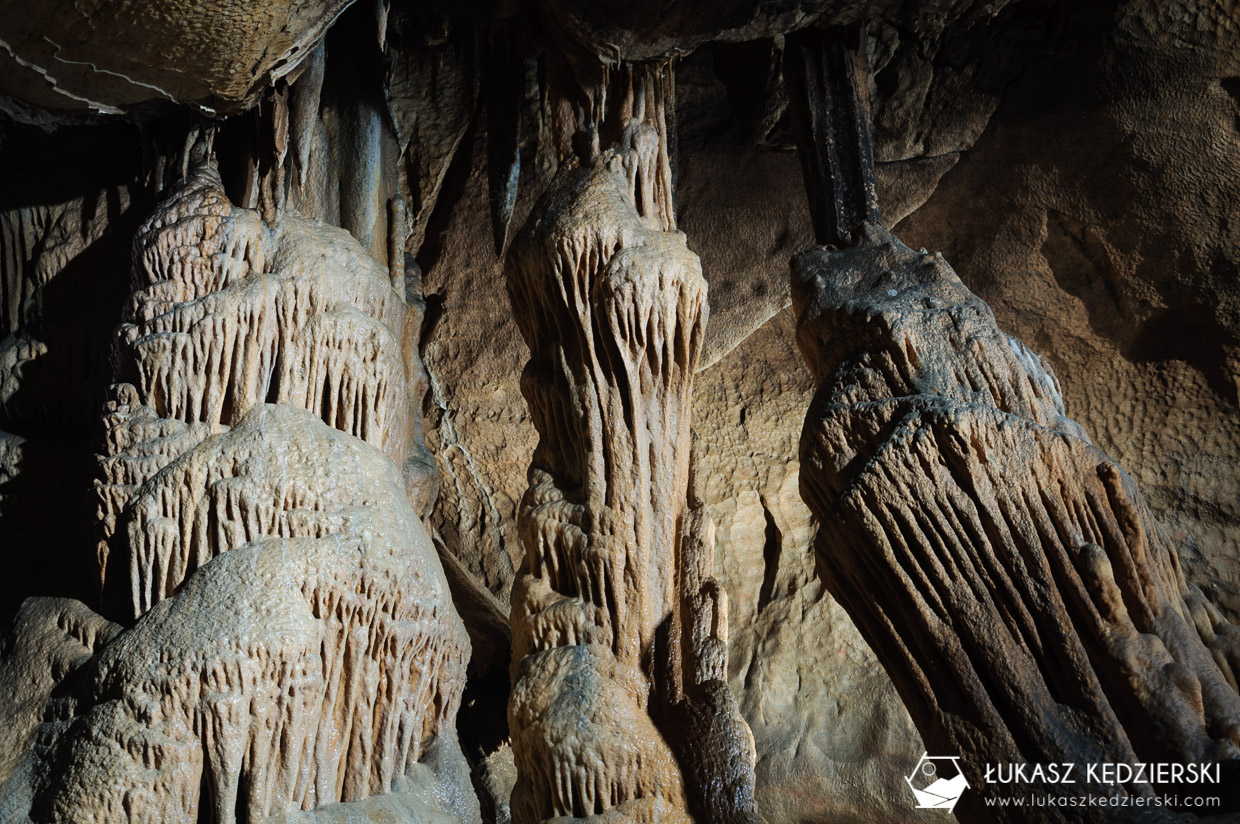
(612, 304)
(1008, 574)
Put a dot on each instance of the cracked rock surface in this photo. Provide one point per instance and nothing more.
(60, 58)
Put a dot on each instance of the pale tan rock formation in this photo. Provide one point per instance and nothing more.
(834, 741)
(289, 673)
(615, 620)
(1032, 609)
(714, 743)
(1100, 139)
(295, 643)
(1112, 248)
(229, 313)
(599, 574)
(51, 638)
(833, 738)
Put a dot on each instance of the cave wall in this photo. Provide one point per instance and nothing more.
(1113, 251)
(1076, 165)
(976, 157)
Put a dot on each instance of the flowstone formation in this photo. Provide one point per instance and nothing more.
(616, 623)
(1006, 572)
(228, 314)
(295, 643)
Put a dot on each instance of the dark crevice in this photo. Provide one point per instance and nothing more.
(206, 798)
(772, 549)
(243, 800)
(325, 410)
(431, 317)
(1231, 85)
(273, 386)
(454, 182)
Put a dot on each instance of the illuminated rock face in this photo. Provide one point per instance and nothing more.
(63, 59)
(1032, 610)
(612, 310)
(295, 642)
(229, 313)
(615, 618)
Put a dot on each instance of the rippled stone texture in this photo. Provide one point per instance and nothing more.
(109, 57)
(616, 624)
(295, 643)
(1007, 573)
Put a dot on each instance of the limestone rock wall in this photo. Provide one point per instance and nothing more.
(50, 638)
(1111, 250)
(62, 59)
(65, 263)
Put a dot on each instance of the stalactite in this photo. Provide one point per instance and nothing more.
(1032, 610)
(63, 267)
(229, 313)
(38, 243)
(504, 87)
(431, 90)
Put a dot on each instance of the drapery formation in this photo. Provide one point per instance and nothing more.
(294, 641)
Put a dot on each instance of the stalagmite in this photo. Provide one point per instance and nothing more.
(229, 313)
(295, 643)
(612, 305)
(1008, 574)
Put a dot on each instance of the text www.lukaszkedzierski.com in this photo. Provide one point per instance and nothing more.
(1104, 801)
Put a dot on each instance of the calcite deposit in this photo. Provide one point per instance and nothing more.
(1032, 609)
(229, 314)
(294, 641)
(616, 621)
